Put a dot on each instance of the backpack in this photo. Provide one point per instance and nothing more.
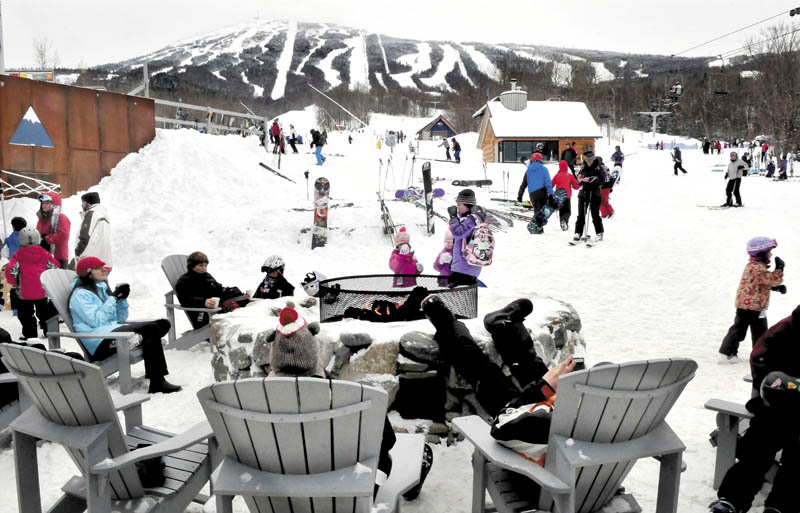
(480, 248)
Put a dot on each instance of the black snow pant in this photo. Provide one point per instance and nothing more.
(25, 313)
(733, 188)
(677, 166)
(155, 363)
(456, 279)
(769, 432)
(744, 319)
(292, 143)
(595, 198)
(447, 153)
(565, 211)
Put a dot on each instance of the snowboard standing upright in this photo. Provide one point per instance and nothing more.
(319, 234)
(427, 184)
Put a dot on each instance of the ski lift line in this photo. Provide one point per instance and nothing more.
(734, 52)
(729, 34)
(340, 106)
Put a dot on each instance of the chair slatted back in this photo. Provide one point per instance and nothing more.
(174, 266)
(347, 430)
(57, 284)
(614, 403)
(76, 396)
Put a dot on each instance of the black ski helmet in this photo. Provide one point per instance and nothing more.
(781, 391)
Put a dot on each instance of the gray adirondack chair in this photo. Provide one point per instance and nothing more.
(305, 444)
(12, 410)
(174, 266)
(72, 406)
(57, 284)
(604, 420)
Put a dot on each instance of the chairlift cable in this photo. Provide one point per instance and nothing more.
(729, 34)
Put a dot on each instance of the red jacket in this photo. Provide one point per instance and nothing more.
(26, 268)
(564, 179)
(58, 238)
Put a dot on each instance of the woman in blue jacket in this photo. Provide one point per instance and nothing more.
(95, 309)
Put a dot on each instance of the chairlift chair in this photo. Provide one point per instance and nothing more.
(718, 81)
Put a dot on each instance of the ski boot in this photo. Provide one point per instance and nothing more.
(722, 506)
(515, 311)
(726, 204)
(575, 240)
(564, 226)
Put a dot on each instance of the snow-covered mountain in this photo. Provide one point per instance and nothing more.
(271, 60)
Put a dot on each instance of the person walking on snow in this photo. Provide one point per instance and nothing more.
(403, 260)
(446, 145)
(618, 157)
(566, 181)
(590, 179)
(752, 296)
(293, 138)
(457, 151)
(465, 216)
(540, 187)
(53, 226)
(736, 170)
(678, 159)
(94, 237)
(316, 141)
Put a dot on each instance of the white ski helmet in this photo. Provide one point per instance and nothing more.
(273, 263)
(311, 283)
(29, 236)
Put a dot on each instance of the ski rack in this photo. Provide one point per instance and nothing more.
(389, 227)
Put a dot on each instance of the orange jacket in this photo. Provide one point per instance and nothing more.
(755, 285)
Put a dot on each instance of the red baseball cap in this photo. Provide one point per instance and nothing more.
(86, 264)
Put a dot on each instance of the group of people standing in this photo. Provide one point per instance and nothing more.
(456, 149)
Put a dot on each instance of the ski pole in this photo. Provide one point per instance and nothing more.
(586, 209)
(306, 175)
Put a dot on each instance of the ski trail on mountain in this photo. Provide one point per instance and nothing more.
(284, 62)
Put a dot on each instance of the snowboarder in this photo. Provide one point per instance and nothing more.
(570, 156)
(736, 170)
(618, 157)
(198, 289)
(465, 215)
(24, 270)
(94, 237)
(53, 225)
(590, 178)
(752, 296)
(677, 158)
(444, 259)
(446, 145)
(456, 151)
(403, 260)
(566, 181)
(540, 188)
(274, 285)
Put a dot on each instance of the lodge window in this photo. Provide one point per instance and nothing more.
(512, 151)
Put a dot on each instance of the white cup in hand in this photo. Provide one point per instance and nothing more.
(213, 302)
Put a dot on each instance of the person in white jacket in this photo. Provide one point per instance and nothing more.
(94, 236)
(736, 170)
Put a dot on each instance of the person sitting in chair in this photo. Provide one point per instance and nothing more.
(198, 289)
(96, 309)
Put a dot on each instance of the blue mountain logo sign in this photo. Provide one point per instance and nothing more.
(31, 132)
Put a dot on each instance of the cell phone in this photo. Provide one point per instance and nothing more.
(580, 364)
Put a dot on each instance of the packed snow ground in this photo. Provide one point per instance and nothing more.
(662, 284)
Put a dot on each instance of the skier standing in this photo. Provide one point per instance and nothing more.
(566, 181)
(618, 157)
(540, 187)
(590, 178)
(752, 296)
(569, 155)
(53, 225)
(446, 145)
(293, 138)
(733, 175)
(678, 159)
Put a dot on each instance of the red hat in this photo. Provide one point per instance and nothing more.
(86, 264)
(536, 156)
(289, 322)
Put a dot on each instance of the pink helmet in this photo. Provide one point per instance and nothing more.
(758, 245)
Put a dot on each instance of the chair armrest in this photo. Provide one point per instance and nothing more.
(130, 400)
(32, 423)
(199, 432)
(7, 377)
(728, 408)
(116, 335)
(190, 309)
(476, 431)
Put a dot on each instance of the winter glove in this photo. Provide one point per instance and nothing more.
(779, 264)
(452, 211)
(445, 258)
(420, 267)
(404, 249)
(551, 201)
(780, 288)
(122, 291)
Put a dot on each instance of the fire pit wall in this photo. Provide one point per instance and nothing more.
(400, 357)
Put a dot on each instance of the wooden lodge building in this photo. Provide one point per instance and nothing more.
(511, 127)
(438, 128)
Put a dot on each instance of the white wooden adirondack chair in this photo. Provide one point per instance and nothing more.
(57, 284)
(604, 420)
(305, 444)
(174, 266)
(12, 410)
(72, 406)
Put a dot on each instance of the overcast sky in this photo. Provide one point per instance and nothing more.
(92, 32)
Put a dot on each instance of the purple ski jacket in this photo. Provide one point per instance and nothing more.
(462, 229)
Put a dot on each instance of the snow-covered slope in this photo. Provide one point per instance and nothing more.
(662, 284)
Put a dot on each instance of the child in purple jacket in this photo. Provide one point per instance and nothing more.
(403, 260)
(444, 259)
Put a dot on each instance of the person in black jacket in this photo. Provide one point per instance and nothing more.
(457, 151)
(678, 159)
(570, 156)
(274, 284)
(318, 142)
(198, 289)
(590, 178)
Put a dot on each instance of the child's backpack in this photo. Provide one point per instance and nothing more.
(480, 248)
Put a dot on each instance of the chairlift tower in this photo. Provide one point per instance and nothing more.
(654, 115)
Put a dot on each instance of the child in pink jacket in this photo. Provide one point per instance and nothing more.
(403, 260)
(445, 258)
(25, 270)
